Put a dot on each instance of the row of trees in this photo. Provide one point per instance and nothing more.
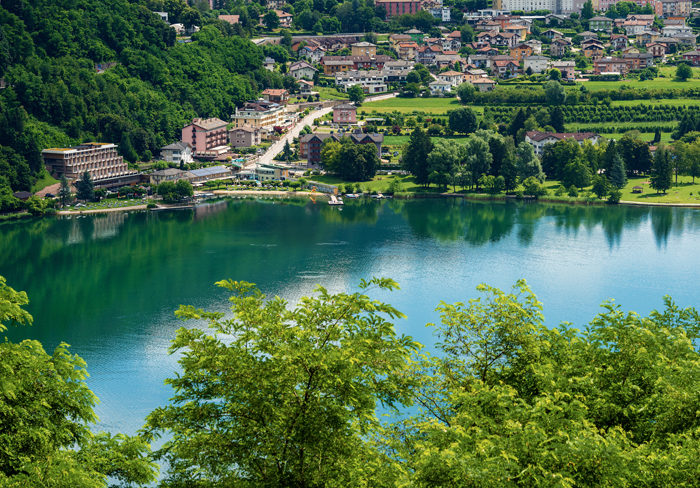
(464, 163)
(350, 161)
(286, 395)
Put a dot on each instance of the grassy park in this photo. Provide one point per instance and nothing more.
(686, 192)
(436, 106)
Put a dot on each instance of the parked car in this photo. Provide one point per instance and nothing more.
(49, 195)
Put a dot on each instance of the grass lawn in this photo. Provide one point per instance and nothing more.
(437, 106)
(685, 192)
(327, 93)
(645, 136)
(106, 203)
(47, 180)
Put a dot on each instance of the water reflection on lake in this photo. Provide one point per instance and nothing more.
(108, 284)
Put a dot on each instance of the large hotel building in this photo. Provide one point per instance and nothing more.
(100, 159)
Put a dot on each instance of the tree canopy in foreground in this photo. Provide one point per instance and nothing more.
(280, 395)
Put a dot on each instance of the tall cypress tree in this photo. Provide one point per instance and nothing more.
(415, 155)
(517, 123)
(609, 157)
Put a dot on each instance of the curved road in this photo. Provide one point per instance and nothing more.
(278, 146)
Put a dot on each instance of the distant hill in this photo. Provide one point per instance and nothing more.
(54, 94)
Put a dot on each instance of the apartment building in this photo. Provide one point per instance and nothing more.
(179, 152)
(260, 113)
(399, 7)
(364, 49)
(538, 139)
(205, 134)
(245, 135)
(673, 8)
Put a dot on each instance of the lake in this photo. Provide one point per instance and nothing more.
(108, 284)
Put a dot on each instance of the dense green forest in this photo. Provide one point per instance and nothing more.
(55, 96)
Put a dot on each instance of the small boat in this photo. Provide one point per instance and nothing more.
(352, 195)
(335, 201)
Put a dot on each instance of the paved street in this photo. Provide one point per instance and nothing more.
(278, 146)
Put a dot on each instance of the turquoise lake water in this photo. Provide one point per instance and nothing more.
(108, 284)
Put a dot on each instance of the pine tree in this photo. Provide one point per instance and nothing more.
(618, 172)
(64, 191)
(528, 163)
(287, 150)
(556, 118)
(587, 11)
(85, 188)
(609, 157)
(517, 123)
(657, 136)
(661, 170)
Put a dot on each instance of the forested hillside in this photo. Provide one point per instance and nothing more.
(54, 95)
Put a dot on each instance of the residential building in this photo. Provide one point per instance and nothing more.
(364, 49)
(306, 88)
(520, 52)
(440, 13)
(312, 53)
(399, 7)
(399, 65)
(454, 78)
(231, 19)
(553, 34)
(656, 49)
(505, 68)
(426, 54)
(610, 65)
(672, 8)
(535, 45)
(588, 35)
(538, 64)
(538, 139)
(484, 84)
(449, 60)
(178, 152)
(416, 35)
(100, 159)
(407, 50)
(685, 39)
(639, 61)
(169, 174)
(618, 41)
(269, 64)
(479, 60)
(692, 57)
(358, 62)
(205, 134)
(302, 69)
(555, 6)
(345, 114)
(566, 68)
(672, 30)
(331, 67)
(164, 16)
(260, 113)
(519, 30)
(371, 81)
(506, 39)
(452, 42)
(276, 95)
(593, 50)
(285, 18)
(310, 144)
(438, 87)
(559, 47)
(647, 36)
(600, 23)
(634, 27)
(395, 39)
(631, 50)
(488, 25)
(671, 43)
(199, 176)
(245, 135)
(474, 74)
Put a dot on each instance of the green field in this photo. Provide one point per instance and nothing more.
(645, 136)
(657, 83)
(436, 106)
(673, 102)
(327, 93)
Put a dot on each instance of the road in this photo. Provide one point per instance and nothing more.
(278, 146)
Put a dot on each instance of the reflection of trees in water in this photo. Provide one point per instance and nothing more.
(454, 219)
(661, 223)
(360, 211)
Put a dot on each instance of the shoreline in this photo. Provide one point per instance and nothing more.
(485, 197)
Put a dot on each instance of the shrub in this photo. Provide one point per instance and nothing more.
(151, 205)
(560, 190)
(573, 191)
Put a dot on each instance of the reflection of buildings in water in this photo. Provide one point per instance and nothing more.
(209, 209)
(99, 226)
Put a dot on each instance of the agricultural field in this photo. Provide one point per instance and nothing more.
(645, 136)
(435, 106)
